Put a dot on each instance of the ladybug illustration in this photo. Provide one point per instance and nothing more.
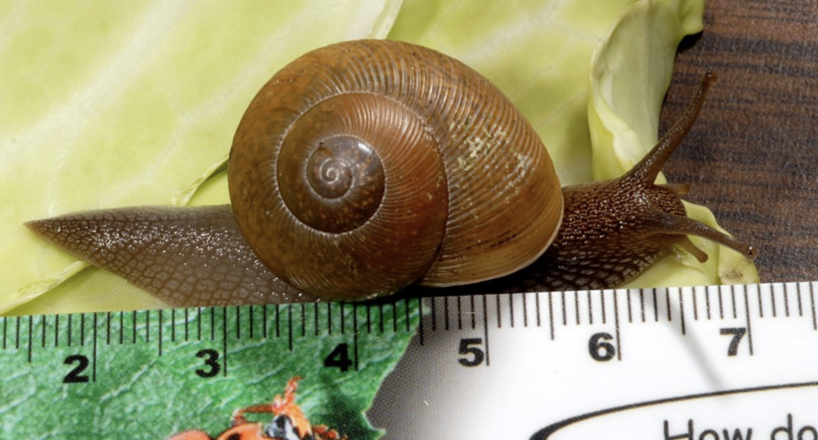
(288, 423)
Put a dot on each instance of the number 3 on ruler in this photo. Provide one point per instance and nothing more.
(212, 367)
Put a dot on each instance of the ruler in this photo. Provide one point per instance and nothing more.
(703, 363)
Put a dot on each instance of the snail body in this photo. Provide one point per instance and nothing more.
(366, 166)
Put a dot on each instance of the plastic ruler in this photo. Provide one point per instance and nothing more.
(703, 363)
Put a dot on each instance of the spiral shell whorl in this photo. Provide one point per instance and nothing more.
(330, 176)
(462, 189)
(331, 168)
(313, 225)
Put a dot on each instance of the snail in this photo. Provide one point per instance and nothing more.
(366, 166)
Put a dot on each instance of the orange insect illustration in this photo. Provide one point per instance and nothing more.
(288, 423)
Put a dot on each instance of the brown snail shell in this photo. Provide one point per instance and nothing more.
(363, 167)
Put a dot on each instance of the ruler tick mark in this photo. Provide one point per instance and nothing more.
(616, 326)
(224, 339)
(499, 317)
(199, 323)
(812, 305)
(733, 299)
(800, 306)
(510, 297)
(602, 301)
(173, 325)
(590, 309)
(434, 315)
(551, 312)
(642, 304)
(446, 313)
(159, 342)
(315, 312)
(772, 303)
(82, 330)
(394, 317)
(70, 318)
(250, 320)
(695, 305)
(459, 314)
(133, 324)
(278, 320)
(94, 351)
(630, 311)
(355, 333)
(329, 318)
(747, 317)
(121, 328)
(525, 310)
(31, 335)
(486, 328)
(655, 306)
(667, 305)
(537, 306)
(238, 323)
(786, 304)
(682, 311)
(369, 320)
(304, 320)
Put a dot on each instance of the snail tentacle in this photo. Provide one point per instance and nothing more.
(649, 167)
(662, 221)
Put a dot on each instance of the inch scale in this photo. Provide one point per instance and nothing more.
(704, 363)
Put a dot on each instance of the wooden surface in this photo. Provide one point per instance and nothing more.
(752, 157)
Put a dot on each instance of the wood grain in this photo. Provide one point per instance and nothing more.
(752, 157)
